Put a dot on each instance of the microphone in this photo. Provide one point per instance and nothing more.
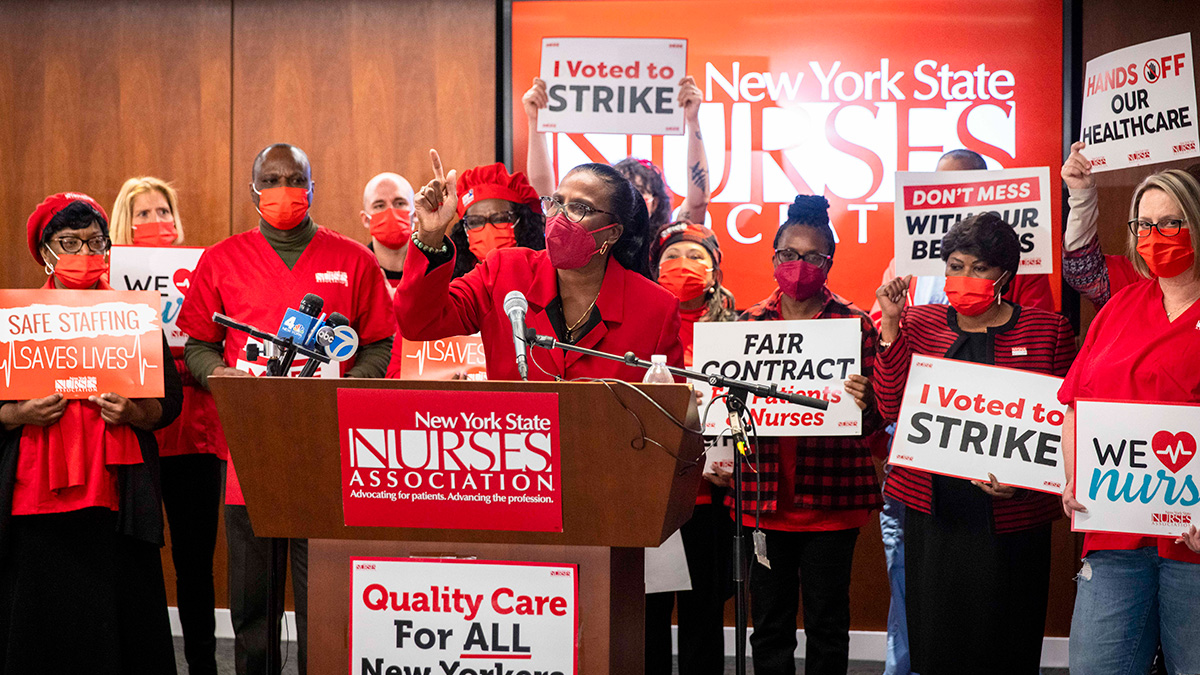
(322, 338)
(296, 326)
(515, 306)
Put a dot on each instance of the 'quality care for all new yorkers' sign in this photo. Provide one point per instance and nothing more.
(462, 617)
(450, 459)
(1135, 467)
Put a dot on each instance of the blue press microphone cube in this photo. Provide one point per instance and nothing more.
(296, 325)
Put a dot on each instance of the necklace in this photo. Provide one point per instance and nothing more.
(586, 313)
(1171, 316)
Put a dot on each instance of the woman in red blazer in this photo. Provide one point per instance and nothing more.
(590, 286)
(977, 561)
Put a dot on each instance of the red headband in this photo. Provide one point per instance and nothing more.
(46, 211)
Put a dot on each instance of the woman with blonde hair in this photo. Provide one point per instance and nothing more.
(146, 213)
(1134, 592)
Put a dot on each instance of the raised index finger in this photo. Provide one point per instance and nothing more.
(437, 165)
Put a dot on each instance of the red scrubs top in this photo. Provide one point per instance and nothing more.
(1132, 353)
(244, 278)
(636, 314)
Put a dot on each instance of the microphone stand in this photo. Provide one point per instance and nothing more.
(275, 367)
(739, 391)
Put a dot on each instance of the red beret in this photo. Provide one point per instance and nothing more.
(46, 211)
(494, 182)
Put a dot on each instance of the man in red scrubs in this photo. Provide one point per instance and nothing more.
(254, 277)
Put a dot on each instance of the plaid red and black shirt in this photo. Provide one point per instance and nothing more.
(832, 472)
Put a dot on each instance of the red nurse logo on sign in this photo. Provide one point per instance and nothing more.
(446, 459)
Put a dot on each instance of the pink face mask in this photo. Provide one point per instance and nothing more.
(570, 245)
(799, 279)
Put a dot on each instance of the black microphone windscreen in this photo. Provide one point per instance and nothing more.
(312, 304)
(337, 319)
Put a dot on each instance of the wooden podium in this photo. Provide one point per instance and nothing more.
(619, 495)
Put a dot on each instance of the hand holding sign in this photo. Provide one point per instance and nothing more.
(1070, 504)
(40, 412)
(1191, 538)
(994, 488)
(690, 97)
(1077, 170)
(116, 410)
(534, 100)
(860, 388)
(436, 204)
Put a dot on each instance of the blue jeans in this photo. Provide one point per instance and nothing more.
(891, 523)
(1127, 603)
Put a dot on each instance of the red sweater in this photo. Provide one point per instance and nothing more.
(1033, 340)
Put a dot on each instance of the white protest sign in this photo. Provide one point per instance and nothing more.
(666, 567)
(812, 358)
(462, 616)
(929, 204)
(1139, 105)
(967, 420)
(613, 85)
(1135, 467)
(165, 269)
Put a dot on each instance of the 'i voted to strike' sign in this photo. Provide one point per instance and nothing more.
(1135, 467)
(613, 85)
(968, 420)
(929, 204)
(812, 358)
(1139, 105)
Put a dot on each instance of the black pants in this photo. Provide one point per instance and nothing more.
(191, 486)
(77, 597)
(249, 558)
(708, 544)
(815, 567)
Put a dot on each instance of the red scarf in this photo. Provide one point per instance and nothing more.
(66, 448)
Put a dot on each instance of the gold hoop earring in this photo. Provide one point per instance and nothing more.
(604, 248)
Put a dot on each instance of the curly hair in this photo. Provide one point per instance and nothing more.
(811, 211)
(530, 231)
(987, 237)
(646, 175)
(77, 215)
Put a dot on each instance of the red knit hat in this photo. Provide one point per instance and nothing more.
(46, 211)
(494, 182)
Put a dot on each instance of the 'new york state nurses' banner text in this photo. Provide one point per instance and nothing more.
(1135, 467)
(462, 617)
(929, 204)
(612, 85)
(812, 358)
(1139, 105)
(443, 359)
(967, 420)
(450, 459)
(166, 270)
(79, 343)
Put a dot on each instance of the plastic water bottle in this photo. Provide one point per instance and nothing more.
(658, 373)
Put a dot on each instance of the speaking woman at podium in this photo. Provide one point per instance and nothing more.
(81, 585)
(590, 287)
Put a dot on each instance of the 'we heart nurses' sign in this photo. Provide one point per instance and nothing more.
(164, 269)
(1135, 467)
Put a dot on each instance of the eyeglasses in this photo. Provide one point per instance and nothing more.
(97, 244)
(1167, 228)
(784, 255)
(498, 218)
(574, 211)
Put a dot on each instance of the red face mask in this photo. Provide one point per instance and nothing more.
(484, 240)
(1167, 256)
(799, 279)
(161, 233)
(283, 207)
(79, 271)
(687, 279)
(392, 227)
(570, 245)
(971, 296)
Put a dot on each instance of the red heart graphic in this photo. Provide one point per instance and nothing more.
(1174, 450)
(183, 280)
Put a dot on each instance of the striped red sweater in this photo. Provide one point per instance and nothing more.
(1033, 340)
